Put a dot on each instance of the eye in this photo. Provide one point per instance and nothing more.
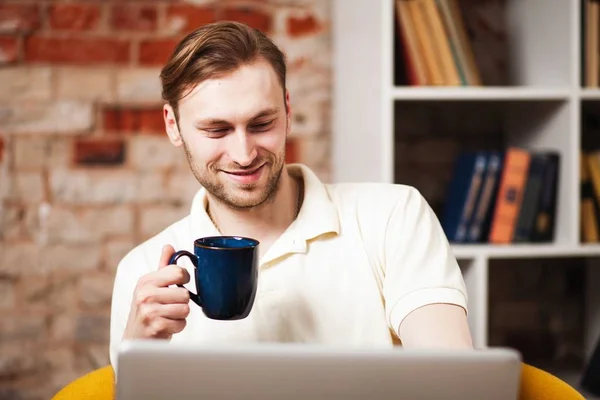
(264, 126)
(217, 132)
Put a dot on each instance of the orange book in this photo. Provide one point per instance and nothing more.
(412, 55)
(593, 162)
(592, 65)
(510, 195)
(441, 43)
(428, 51)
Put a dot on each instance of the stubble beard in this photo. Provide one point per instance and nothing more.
(209, 181)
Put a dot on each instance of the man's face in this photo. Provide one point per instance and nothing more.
(233, 129)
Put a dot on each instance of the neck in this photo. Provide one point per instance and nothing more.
(263, 222)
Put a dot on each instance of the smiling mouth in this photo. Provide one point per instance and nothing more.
(245, 173)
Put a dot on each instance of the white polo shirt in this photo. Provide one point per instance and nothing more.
(357, 260)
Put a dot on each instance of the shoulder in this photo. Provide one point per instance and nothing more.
(375, 197)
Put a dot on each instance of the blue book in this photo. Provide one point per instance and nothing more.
(464, 189)
(486, 199)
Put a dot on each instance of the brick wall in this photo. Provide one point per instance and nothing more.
(86, 171)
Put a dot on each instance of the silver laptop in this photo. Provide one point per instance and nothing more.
(160, 370)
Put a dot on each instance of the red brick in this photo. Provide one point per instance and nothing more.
(77, 50)
(99, 152)
(74, 17)
(133, 120)
(112, 119)
(127, 120)
(9, 49)
(151, 121)
(133, 17)
(156, 52)
(19, 17)
(302, 26)
(291, 151)
(193, 16)
(250, 16)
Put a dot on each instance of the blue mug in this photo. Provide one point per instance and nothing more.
(226, 274)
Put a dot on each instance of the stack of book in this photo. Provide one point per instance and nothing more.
(435, 47)
(590, 10)
(502, 197)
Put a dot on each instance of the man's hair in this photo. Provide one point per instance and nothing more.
(216, 49)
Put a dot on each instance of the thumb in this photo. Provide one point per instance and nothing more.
(167, 252)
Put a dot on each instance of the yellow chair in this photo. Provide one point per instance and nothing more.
(535, 385)
(98, 384)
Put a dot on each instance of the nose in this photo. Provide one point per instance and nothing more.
(243, 149)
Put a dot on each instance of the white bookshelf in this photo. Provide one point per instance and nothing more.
(543, 110)
(479, 93)
(590, 94)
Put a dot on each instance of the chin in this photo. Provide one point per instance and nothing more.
(247, 200)
(245, 195)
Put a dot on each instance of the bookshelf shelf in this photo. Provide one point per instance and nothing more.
(385, 130)
(524, 251)
(590, 94)
(480, 93)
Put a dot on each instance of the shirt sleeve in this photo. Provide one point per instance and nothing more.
(420, 268)
(129, 271)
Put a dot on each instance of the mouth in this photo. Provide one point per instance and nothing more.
(246, 172)
(246, 177)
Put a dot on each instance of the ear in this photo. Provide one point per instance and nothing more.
(171, 125)
(288, 110)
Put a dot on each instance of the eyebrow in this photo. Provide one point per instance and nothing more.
(216, 121)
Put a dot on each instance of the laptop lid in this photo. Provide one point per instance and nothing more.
(161, 370)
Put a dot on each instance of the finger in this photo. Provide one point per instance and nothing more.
(165, 256)
(163, 295)
(174, 311)
(172, 295)
(166, 276)
(165, 327)
(150, 313)
(177, 325)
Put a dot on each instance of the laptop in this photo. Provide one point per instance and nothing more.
(161, 370)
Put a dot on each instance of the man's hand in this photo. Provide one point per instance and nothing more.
(157, 310)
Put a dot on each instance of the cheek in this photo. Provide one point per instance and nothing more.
(272, 142)
(203, 150)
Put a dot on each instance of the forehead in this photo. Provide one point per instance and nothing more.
(236, 95)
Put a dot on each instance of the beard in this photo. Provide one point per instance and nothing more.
(239, 196)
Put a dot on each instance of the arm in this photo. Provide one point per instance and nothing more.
(426, 297)
(421, 328)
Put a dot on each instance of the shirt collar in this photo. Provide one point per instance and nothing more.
(318, 214)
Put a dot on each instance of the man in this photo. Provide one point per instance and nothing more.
(342, 264)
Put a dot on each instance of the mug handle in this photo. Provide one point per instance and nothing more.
(173, 260)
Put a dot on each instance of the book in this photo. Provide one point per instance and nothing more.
(510, 195)
(545, 219)
(531, 199)
(486, 199)
(463, 192)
